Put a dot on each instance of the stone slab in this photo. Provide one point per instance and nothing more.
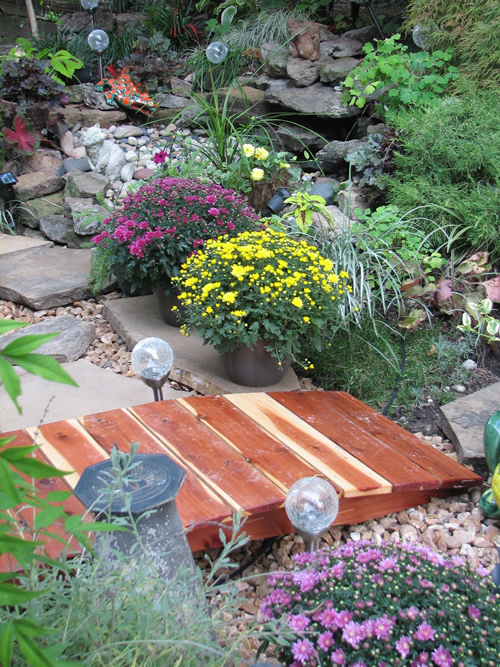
(463, 422)
(10, 243)
(45, 277)
(74, 337)
(98, 390)
(195, 365)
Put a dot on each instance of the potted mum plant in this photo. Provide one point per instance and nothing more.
(148, 239)
(257, 298)
(370, 605)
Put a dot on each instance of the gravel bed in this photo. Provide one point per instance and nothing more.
(453, 525)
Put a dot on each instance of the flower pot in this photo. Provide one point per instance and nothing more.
(254, 367)
(165, 304)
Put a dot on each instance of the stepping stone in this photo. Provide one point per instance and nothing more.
(99, 390)
(195, 365)
(45, 277)
(463, 422)
(74, 337)
(10, 243)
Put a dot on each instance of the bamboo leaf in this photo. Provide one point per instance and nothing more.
(28, 343)
(44, 366)
(10, 381)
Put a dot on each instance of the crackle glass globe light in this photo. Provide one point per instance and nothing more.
(98, 41)
(152, 359)
(89, 5)
(216, 52)
(312, 506)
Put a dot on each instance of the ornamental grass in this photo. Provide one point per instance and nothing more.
(370, 605)
(262, 285)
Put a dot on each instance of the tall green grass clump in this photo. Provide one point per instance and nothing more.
(471, 27)
(450, 159)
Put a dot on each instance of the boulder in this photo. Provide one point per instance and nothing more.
(180, 88)
(297, 139)
(75, 93)
(89, 117)
(335, 70)
(318, 100)
(334, 153)
(86, 216)
(302, 72)
(59, 228)
(44, 159)
(351, 198)
(74, 337)
(37, 184)
(85, 184)
(275, 59)
(93, 98)
(31, 211)
(363, 35)
(339, 47)
(168, 101)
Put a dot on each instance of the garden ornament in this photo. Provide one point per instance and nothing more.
(305, 39)
(120, 91)
(312, 506)
(152, 358)
(490, 500)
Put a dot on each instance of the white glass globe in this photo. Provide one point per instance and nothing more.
(420, 36)
(89, 4)
(98, 41)
(152, 359)
(312, 505)
(216, 52)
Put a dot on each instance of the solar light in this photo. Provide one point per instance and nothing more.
(312, 506)
(152, 358)
(216, 52)
(420, 36)
(98, 41)
(90, 5)
(7, 182)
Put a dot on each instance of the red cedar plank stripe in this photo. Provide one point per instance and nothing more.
(313, 409)
(209, 456)
(334, 463)
(268, 455)
(195, 501)
(451, 473)
(67, 446)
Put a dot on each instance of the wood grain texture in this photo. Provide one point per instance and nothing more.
(209, 457)
(314, 409)
(345, 472)
(196, 501)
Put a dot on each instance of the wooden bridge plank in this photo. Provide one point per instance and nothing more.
(449, 473)
(196, 502)
(209, 457)
(403, 473)
(270, 456)
(343, 470)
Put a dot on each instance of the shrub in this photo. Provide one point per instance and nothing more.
(470, 27)
(450, 158)
(366, 605)
(162, 223)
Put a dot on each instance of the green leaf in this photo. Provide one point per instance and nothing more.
(11, 594)
(39, 469)
(32, 652)
(8, 484)
(15, 453)
(9, 325)
(10, 381)
(47, 517)
(28, 343)
(31, 629)
(58, 496)
(44, 366)
(6, 643)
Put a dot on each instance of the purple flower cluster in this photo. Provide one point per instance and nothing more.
(368, 605)
(162, 223)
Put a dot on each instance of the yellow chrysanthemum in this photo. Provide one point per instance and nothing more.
(248, 150)
(229, 297)
(257, 174)
(261, 153)
(297, 302)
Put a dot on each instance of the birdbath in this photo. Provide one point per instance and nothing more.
(153, 485)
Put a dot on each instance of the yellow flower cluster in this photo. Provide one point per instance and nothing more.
(260, 282)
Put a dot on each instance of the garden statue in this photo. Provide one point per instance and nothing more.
(490, 500)
(305, 39)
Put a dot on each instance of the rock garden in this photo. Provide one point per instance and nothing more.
(300, 196)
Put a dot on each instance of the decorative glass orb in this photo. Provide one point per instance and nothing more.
(312, 505)
(420, 36)
(216, 52)
(152, 359)
(98, 41)
(89, 5)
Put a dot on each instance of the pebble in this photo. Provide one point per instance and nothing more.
(469, 365)
(459, 388)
